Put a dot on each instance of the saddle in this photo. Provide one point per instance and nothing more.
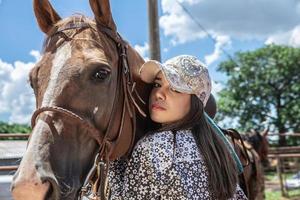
(247, 154)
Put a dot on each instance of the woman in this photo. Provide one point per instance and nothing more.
(184, 158)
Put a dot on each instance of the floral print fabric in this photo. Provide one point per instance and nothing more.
(164, 166)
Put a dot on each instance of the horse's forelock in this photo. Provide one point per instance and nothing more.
(76, 20)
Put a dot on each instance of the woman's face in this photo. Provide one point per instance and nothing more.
(167, 105)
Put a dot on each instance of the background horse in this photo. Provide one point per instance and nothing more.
(252, 151)
(78, 98)
(259, 142)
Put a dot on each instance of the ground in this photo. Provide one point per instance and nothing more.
(273, 191)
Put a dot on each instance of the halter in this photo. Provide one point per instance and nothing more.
(95, 184)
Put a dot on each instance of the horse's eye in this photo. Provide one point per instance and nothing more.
(101, 75)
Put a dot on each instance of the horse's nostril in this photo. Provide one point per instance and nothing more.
(53, 191)
(50, 194)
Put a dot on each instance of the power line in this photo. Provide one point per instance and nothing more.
(204, 30)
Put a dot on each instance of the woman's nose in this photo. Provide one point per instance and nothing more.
(161, 93)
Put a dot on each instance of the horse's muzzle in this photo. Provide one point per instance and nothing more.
(28, 188)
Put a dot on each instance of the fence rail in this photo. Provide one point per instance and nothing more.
(284, 150)
(284, 134)
(14, 135)
(289, 155)
(7, 136)
(9, 168)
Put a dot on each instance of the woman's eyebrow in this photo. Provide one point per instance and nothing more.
(157, 78)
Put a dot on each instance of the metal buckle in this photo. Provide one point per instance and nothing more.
(86, 192)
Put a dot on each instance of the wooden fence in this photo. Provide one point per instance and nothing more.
(281, 154)
(278, 153)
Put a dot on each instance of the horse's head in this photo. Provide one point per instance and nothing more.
(78, 74)
(260, 143)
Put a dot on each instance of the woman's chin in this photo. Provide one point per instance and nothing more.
(158, 118)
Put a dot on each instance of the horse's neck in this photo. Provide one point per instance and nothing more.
(143, 89)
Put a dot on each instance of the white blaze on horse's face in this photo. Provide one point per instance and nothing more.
(28, 177)
(63, 53)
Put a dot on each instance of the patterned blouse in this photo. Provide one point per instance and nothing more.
(164, 166)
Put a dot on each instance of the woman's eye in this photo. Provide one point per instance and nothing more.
(100, 75)
(156, 85)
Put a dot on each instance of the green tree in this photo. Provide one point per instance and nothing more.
(263, 85)
(14, 128)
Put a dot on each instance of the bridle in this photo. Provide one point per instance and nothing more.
(95, 184)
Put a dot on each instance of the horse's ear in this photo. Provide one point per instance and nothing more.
(45, 14)
(265, 132)
(102, 12)
(253, 131)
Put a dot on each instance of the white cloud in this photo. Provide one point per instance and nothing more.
(176, 23)
(16, 97)
(238, 19)
(165, 50)
(291, 37)
(36, 54)
(143, 50)
(221, 42)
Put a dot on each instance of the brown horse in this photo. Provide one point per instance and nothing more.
(84, 86)
(78, 99)
(259, 142)
(258, 149)
(252, 156)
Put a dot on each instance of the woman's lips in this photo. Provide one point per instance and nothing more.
(157, 107)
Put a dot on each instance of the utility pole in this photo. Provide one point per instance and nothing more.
(154, 42)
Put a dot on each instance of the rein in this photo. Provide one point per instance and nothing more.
(95, 184)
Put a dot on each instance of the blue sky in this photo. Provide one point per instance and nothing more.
(235, 25)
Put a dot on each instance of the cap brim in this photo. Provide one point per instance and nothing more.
(149, 71)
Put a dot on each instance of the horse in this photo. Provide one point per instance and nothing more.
(251, 157)
(259, 142)
(252, 151)
(259, 147)
(89, 105)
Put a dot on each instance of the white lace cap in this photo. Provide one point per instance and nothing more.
(184, 73)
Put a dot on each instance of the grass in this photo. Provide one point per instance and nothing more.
(270, 195)
(276, 195)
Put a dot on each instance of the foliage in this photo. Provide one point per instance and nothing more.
(263, 86)
(14, 128)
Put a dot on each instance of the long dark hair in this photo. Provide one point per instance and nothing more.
(221, 167)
